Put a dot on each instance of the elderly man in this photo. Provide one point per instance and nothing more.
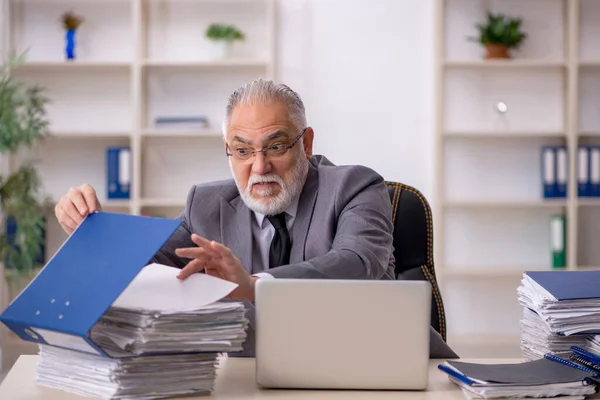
(285, 214)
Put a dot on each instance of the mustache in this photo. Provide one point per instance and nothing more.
(264, 179)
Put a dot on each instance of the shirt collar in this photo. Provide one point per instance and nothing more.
(290, 211)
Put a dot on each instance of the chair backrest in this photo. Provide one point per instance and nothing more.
(413, 244)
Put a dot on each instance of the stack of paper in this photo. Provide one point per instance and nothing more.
(540, 378)
(148, 377)
(538, 340)
(218, 327)
(162, 337)
(560, 309)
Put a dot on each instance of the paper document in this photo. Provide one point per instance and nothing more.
(157, 288)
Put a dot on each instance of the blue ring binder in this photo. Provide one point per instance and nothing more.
(84, 277)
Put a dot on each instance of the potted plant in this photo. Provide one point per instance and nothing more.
(71, 23)
(23, 123)
(224, 36)
(499, 35)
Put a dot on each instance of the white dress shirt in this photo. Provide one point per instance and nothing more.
(262, 235)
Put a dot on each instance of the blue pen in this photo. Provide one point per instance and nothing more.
(455, 374)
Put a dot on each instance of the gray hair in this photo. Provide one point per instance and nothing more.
(266, 91)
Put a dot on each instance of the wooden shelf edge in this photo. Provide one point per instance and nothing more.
(253, 63)
(496, 272)
(510, 63)
(551, 203)
(162, 202)
(184, 133)
(503, 135)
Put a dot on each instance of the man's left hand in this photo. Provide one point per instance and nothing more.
(217, 260)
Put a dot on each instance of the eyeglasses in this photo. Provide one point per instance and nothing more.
(275, 150)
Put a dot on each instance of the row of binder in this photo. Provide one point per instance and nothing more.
(555, 167)
(118, 172)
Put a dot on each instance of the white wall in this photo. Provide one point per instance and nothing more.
(365, 72)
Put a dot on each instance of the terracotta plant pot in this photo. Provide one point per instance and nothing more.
(496, 51)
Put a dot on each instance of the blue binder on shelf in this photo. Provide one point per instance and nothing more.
(548, 161)
(555, 171)
(583, 171)
(594, 173)
(118, 172)
(82, 280)
(562, 171)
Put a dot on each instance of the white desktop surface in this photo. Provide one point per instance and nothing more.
(235, 380)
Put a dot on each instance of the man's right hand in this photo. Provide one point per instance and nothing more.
(74, 206)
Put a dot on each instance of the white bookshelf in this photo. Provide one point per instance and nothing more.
(491, 220)
(136, 60)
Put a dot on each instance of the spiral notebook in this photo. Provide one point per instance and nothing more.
(541, 378)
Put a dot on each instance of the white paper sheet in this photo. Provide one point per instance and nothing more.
(157, 288)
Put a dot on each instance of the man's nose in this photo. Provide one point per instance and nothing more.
(261, 164)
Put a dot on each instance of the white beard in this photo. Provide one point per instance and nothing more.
(286, 196)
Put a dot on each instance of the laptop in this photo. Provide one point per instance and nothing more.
(342, 334)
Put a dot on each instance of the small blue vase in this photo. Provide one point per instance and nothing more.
(70, 47)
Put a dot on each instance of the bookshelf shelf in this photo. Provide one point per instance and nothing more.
(498, 272)
(136, 61)
(590, 64)
(208, 64)
(112, 204)
(506, 204)
(588, 202)
(156, 202)
(58, 66)
(588, 267)
(503, 134)
(493, 118)
(478, 64)
(183, 134)
(89, 135)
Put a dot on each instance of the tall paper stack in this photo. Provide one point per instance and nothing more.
(163, 337)
(560, 309)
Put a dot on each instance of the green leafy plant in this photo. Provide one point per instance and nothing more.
(500, 30)
(224, 32)
(23, 123)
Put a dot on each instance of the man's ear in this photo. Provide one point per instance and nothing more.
(307, 141)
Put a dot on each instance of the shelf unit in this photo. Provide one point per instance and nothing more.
(136, 60)
(491, 220)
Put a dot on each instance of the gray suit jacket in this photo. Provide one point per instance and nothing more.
(343, 227)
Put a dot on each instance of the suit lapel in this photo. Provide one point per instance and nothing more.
(306, 205)
(237, 231)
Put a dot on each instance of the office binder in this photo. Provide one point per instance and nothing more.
(561, 172)
(84, 277)
(558, 233)
(594, 175)
(583, 171)
(118, 172)
(548, 160)
(568, 285)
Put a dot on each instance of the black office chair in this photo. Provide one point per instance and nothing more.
(413, 244)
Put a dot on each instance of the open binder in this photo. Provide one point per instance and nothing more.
(83, 279)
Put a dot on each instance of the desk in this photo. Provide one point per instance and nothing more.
(236, 381)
